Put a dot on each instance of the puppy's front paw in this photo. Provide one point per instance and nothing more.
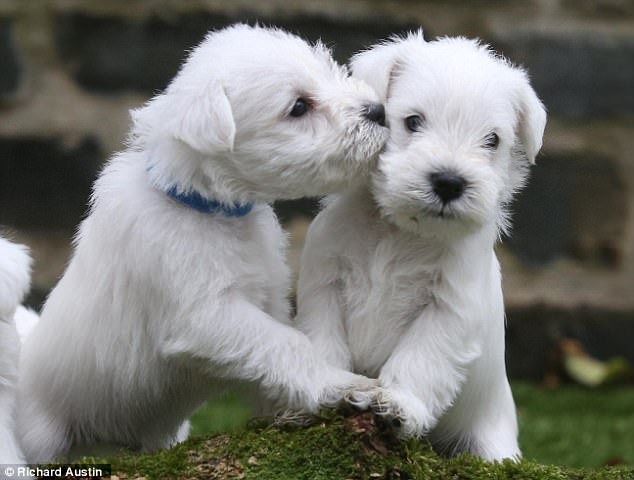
(292, 418)
(403, 412)
(345, 386)
(362, 397)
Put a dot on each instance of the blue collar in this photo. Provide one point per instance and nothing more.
(208, 205)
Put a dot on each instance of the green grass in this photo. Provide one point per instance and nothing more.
(226, 414)
(575, 426)
(570, 426)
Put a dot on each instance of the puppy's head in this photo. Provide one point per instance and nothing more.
(267, 116)
(465, 124)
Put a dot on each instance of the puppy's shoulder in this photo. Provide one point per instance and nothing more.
(345, 217)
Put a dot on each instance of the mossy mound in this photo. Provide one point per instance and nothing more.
(335, 447)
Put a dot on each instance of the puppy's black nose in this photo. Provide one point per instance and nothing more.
(447, 185)
(375, 112)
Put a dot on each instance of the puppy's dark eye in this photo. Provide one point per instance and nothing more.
(414, 123)
(300, 108)
(491, 141)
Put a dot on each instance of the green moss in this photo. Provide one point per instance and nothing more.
(165, 464)
(336, 447)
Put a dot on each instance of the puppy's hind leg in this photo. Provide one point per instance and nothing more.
(155, 439)
(497, 437)
(183, 432)
(488, 429)
(43, 438)
(495, 444)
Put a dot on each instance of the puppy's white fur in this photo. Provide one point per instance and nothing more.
(14, 283)
(25, 321)
(162, 305)
(397, 286)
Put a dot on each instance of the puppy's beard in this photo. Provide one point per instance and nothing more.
(418, 209)
(432, 224)
(425, 215)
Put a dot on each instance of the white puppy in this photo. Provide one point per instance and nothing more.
(178, 284)
(400, 281)
(14, 283)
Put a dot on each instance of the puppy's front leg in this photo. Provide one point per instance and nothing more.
(242, 342)
(426, 371)
(319, 317)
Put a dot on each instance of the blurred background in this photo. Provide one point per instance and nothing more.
(70, 70)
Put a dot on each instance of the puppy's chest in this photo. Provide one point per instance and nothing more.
(383, 293)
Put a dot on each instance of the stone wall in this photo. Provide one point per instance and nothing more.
(70, 70)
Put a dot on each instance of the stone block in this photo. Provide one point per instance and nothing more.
(533, 334)
(577, 72)
(345, 36)
(575, 206)
(10, 70)
(108, 53)
(608, 9)
(44, 182)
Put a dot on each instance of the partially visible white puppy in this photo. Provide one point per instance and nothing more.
(25, 321)
(14, 283)
(400, 281)
(178, 284)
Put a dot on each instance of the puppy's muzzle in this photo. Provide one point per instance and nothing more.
(448, 186)
(375, 112)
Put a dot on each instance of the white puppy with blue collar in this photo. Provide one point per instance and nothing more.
(14, 283)
(399, 279)
(178, 284)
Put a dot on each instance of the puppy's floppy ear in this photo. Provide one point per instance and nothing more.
(531, 121)
(378, 65)
(204, 120)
